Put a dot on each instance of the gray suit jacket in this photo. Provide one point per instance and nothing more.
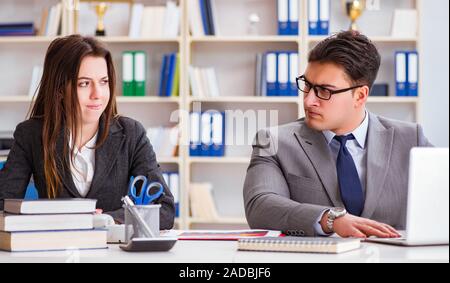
(292, 177)
(126, 152)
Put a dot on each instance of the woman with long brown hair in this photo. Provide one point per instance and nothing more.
(75, 144)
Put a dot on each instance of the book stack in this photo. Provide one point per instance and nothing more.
(319, 17)
(169, 84)
(407, 73)
(17, 29)
(275, 74)
(134, 73)
(165, 140)
(202, 202)
(203, 17)
(207, 134)
(173, 182)
(203, 82)
(49, 225)
(155, 21)
(288, 11)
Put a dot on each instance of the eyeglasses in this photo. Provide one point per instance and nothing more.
(321, 92)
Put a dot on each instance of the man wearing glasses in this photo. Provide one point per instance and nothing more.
(341, 169)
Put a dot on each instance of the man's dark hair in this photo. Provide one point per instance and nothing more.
(352, 51)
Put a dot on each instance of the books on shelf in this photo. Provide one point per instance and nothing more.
(202, 202)
(207, 134)
(288, 17)
(172, 180)
(203, 82)
(134, 73)
(319, 17)
(299, 244)
(275, 74)
(154, 21)
(203, 17)
(406, 73)
(169, 85)
(404, 24)
(17, 29)
(48, 225)
(165, 141)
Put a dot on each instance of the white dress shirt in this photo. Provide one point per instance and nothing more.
(357, 149)
(83, 166)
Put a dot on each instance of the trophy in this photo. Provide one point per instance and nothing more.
(100, 10)
(354, 9)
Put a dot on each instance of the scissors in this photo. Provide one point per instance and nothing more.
(145, 194)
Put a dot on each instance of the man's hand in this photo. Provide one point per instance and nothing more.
(357, 227)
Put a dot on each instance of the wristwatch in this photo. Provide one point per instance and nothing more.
(333, 214)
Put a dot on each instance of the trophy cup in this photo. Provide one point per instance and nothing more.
(354, 9)
(100, 10)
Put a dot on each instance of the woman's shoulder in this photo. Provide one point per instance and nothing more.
(30, 126)
(129, 125)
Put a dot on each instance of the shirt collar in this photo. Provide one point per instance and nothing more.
(89, 145)
(359, 133)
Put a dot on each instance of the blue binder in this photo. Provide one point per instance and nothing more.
(163, 79)
(206, 136)
(195, 134)
(313, 17)
(413, 73)
(272, 73)
(401, 73)
(324, 17)
(283, 74)
(283, 17)
(293, 73)
(218, 135)
(170, 73)
(293, 17)
(204, 13)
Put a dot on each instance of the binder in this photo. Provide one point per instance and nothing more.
(206, 129)
(163, 78)
(195, 131)
(140, 72)
(401, 73)
(283, 74)
(170, 74)
(293, 73)
(210, 17)
(204, 14)
(271, 75)
(283, 17)
(324, 17)
(176, 77)
(218, 135)
(413, 73)
(293, 17)
(175, 190)
(313, 17)
(127, 73)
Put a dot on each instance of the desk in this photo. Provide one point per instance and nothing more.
(226, 252)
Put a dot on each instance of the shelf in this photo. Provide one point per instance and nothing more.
(168, 160)
(244, 39)
(147, 99)
(15, 99)
(219, 160)
(376, 39)
(246, 99)
(113, 39)
(393, 99)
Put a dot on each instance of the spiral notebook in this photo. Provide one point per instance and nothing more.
(299, 245)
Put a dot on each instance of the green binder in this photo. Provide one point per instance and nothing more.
(176, 80)
(127, 73)
(140, 72)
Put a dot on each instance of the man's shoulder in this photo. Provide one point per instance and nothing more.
(288, 128)
(397, 125)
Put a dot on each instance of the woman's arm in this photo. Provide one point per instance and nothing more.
(16, 174)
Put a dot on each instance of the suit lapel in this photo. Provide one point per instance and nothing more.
(106, 156)
(67, 179)
(379, 150)
(316, 148)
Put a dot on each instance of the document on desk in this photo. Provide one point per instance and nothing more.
(221, 235)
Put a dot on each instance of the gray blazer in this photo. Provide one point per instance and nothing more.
(126, 152)
(292, 176)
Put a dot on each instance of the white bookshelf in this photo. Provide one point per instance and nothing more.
(232, 54)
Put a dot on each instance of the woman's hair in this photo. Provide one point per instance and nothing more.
(57, 102)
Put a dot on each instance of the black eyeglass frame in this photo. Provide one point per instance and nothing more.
(331, 92)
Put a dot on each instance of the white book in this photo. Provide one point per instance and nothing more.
(15, 223)
(35, 80)
(195, 19)
(136, 20)
(213, 84)
(153, 21)
(404, 24)
(42, 206)
(56, 20)
(201, 83)
(51, 16)
(171, 26)
(193, 82)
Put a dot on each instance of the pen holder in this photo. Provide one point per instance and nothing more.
(149, 213)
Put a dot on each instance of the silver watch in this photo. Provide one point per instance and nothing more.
(333, 214)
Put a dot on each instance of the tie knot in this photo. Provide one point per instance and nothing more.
(343, 139)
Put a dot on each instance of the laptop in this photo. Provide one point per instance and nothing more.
(428, 197)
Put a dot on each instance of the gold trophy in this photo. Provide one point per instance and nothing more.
(354, 9)
(100, 10)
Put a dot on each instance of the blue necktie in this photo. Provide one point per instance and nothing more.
(349, 183)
